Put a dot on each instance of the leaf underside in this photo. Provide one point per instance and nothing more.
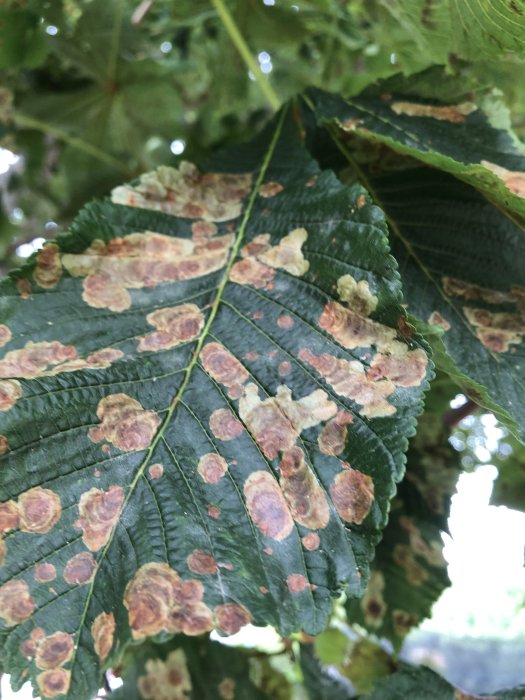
(205, 407)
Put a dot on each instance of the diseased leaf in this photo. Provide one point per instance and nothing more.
(457, 138)
(187, 669)
(205, 405)
(409, 573)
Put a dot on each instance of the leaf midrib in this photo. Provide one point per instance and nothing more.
(188, 372)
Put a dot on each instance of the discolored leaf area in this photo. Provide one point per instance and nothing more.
(205, 408)
(187, 669)
(460, 259)
(456, 138)
(409, 572)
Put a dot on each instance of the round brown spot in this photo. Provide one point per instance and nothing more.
(231, 617)
(311, 541)
(39, 509)
(10, 392)
(284, 368)
(285, 322)
(212, 467)
(353, 494)
(54, 682)
(54, 651)
(102, 631)
(297, 582)
(44, 572)
(16, 605)
(80, 569)
(8, 516)
(224, 425)
(263, 590)
(156, 471)
(267, 506)
(4, 445)
(201, 562)
(213, 511)
(29, 647)
(99, 512)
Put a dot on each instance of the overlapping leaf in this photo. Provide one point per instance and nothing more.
(205, 407)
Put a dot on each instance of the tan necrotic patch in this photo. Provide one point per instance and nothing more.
(226, 369)
(142, 260)
(188, 193)
(231, 617)
(297, 583)
(166, 680)
(29, 646)
(10, 392)
(48, 270)
(356, 294)
(156, 471)
(332, 439)
(23, 287)
(9, 516)
(513, 180)
(267, 506)
(174, 325)
(39, 510)
(102, 631)
(260, 259)
(270, 189)
(124, 423)
(5, 335)
(159, 600)
(44, 573)
(373, 603)
(224, 425)
(403, 622)
(226, 689)
(4, 445)
(311, 541)
(16, 604)
(437, 319)
(448, 113)
(201, 562)
(54, 682)
(496, 330)
(203, 230)
(80, 569)
(285, 322)
(404, 557)
(212, 467)
(277, 422)
(54, 651)
(352, 494)
(99, 513)
(305, 497)
(408, 369)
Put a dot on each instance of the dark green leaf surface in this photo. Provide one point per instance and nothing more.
(189, 669)
(320, 683)
(456, 138)
(409, 572)
(230, 455)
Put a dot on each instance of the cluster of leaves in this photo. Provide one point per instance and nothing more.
(208, 385)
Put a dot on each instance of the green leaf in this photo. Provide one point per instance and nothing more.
(319, 682)
(22, 39)
(509, 487)
(457, 138)
(205, 409)
(409, 571)
(189, 669)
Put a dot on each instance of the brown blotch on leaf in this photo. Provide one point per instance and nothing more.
(10, 392)
(361, 201)
(513, 180)
(224, 425)
(124, 423)
(39, 510)
(348, 378)
(80, 569)
(29, 647)
(277, 422)
(45, 572)
(449, 113)
(159, 600)
(102, 631)
(285, 322)
(9, 516)
(54, 651)
(353, 330)
(496, 331)
(372, 603)
(404, 370)
(23, 287)
(48, 270)
(156, 471)
(226, 369)
(311, 541)
(99, 512)
(297, 582)
(141, 260)
(5, 335)
(251, 271)
(404, 557)
(270, 189)
(437, 319)
(16, 604)
(175, 325)
(4, 445)
(201, 562)
(166, 680)
(34, 359)
(350, 124)
(226, 689)
(305, 497)
(267, 506)
(356, 295)
(352, 494)
(403, 622)
(54, 682)
(212, 467)
(284, 368)
(203, 230)
(187, 192)
(214, 511)
(230, 617)
(332, 439)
